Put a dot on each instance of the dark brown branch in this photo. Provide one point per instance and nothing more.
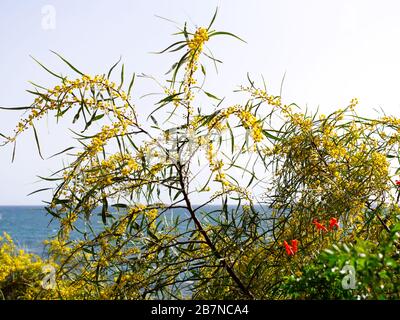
(211, 245)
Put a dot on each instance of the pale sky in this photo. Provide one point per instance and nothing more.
(331, 51)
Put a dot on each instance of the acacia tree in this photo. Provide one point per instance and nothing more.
(275, 175)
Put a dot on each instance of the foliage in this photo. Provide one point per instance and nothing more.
(376, 271)
(275, 173)
(20, 272)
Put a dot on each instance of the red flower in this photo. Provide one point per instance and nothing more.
(320, 226)
(333, 222)
(289, 249)
(294, 245)
(397, 182)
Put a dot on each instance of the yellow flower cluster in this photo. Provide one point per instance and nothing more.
(195, 45)
(137, 209)
(131, 165)
(200, 36)
(390, 120)
(106, 133)
(210, 154)
(57, 247)
(156, 168)
(175, 99)
(262, 95)
(380, 164)
(217, 121)
(71, 93)
(67, 223)
(301, 121)
(250, 122)
(123, 161)
(216, 165)
(229, 188)
(353, 103)
(221, 177)
(20, 272)
(150, 213)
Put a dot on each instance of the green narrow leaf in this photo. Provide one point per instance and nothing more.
(212, 58)
(154, 120)
(37, 86)
(13, 153)
(210, 95)
(185, 33)
(268, 135)
(54, 214)
(49, 179)
(48, 70)
(169, 98)
(181, 61)
(37, 191)
(179, 48)
(112, 68)
(68, 63)
(119, 205)
(93, 119)
(217, 33)
(213, 19)
(43, 96)
(281, 88)
(104, 210)
(15, 108)
(131, 84)
(98, 117)
(37, 141)
(58, 153)
(251, 180)
(166, 19)
(122, 76)
(176, 195)
(171, 46)
(232, 137)
(203, 69)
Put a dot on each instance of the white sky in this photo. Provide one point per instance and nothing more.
(331, 51)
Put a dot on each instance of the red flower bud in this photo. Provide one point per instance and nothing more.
(320, 226)
(289, 249)
(333, 222)
(294, 245)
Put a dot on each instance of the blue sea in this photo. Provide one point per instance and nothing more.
(29, 226)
